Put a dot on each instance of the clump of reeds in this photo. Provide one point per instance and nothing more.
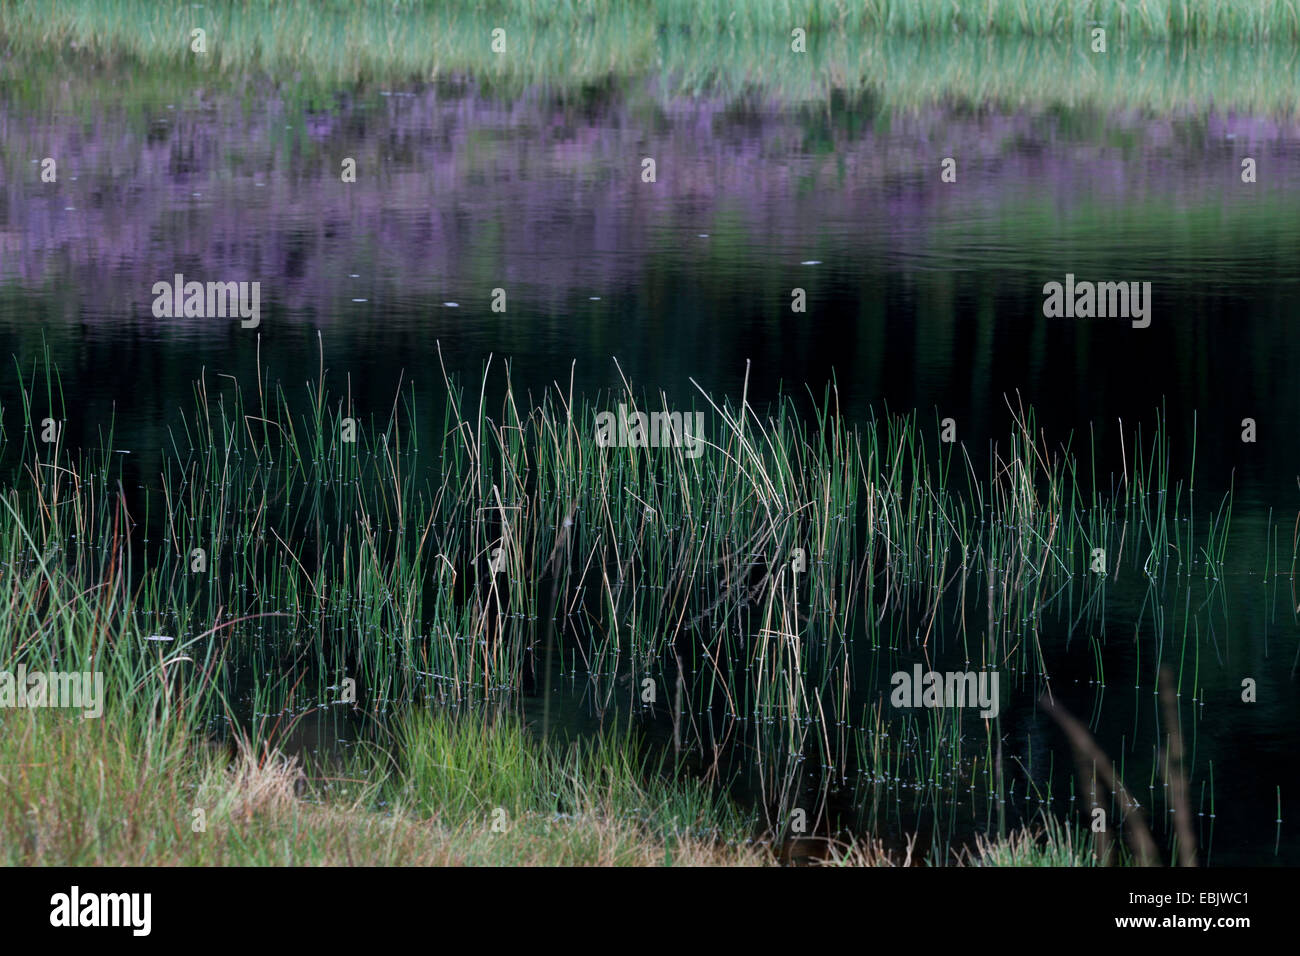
(745, 595)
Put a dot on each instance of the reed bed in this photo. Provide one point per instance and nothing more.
(748, 597)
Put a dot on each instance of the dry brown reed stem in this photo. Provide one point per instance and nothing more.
(1175, 778)
(1093, 764)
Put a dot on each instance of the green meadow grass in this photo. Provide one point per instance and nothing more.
(104, 793)
(467, 768)
(1161, 54)
(125, 790)
(289, 27)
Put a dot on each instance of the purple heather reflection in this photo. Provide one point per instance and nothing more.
(457, 193)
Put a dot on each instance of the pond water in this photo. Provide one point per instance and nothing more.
(921, 295)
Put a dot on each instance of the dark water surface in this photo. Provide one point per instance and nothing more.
(922, 295)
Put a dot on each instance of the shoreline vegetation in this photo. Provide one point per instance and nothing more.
(136, 791)
(1166, 55)
(314, 544)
